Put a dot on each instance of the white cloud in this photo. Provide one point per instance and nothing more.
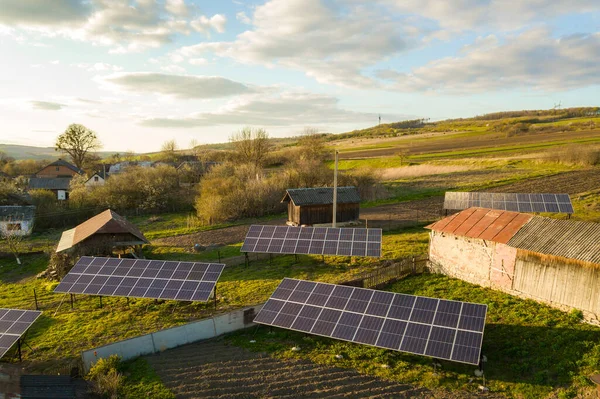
(243, 18)
(176, 7)
(284, 109)
(205, 25)
(98, 67)
(533, 59)
(42, 12)
(173, 69)
(46, 105)
(178, 86)
(198, 61)
(327, 42)
(461, 15)
(125, 26)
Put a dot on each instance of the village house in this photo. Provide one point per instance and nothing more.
(556, 261)
(312, 206)
(55, 177)
(102, 234)
(17, 220)
(97, 179)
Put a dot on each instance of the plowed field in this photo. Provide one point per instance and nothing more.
(215, 370)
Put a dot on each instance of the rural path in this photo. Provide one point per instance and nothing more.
(407, 212)
(215, 370)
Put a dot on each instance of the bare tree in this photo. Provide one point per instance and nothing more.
(168, 149)
(12, 233)
(311, 144)
(77, 141)
(251, 146)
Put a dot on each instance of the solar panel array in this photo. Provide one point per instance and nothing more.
(313, 240)
(183, 281)
(555, 203)
(13, 324)
(432, 327)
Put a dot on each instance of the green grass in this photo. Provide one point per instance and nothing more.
(533, 350)
(587, 206)
(62, 333)
(141, 382)
(497, 174)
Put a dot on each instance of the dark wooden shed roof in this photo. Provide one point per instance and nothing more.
(49, 183)
(107, 222)
(321, 196)
(12, 212)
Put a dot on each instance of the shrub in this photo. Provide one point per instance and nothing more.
(106, 377)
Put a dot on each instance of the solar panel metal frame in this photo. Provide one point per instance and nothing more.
(438, 328)
(332, 241)
(13, 324)
(516, 202)
(141, 278)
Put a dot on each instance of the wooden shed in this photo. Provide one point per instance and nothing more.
(101, 235)
(310, 206)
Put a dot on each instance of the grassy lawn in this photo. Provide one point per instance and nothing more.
(533, 350)
(62, 333)
(496, 173)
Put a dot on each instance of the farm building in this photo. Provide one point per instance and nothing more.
(57, 169)
(17, 219)
(556, 261)
(310, 206)
(101, 235)
(97, 179)
(60, 186)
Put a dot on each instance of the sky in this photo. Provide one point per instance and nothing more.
(143, 72)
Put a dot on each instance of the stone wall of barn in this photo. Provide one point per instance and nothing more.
(481, 262)
(563, 283)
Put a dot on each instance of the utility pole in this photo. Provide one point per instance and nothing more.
(335, 172)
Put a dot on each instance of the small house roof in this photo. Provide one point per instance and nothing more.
(321, 195)
(62, 162)
(18, 213)
(49, 183)
(107, 222)
(558, 237)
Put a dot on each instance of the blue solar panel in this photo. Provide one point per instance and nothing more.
(433, 327)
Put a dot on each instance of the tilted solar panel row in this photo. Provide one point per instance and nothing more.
(516, 202)
(313, 241)
(184, 281)
(433, 327)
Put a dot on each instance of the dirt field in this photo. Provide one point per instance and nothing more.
(213, 369)
(442, 143)
(409, 212)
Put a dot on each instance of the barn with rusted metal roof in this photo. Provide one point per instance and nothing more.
(556, 261)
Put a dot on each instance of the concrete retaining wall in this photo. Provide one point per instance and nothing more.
(172, 337)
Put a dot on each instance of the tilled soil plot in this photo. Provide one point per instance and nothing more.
(213, 369)
(429, 209)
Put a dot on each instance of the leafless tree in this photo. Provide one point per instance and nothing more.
(251, 146)
(77, 141)
(13, 237)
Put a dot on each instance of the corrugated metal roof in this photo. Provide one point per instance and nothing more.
(486, 224)
(107, 222)
(17, 213)
(567, 238)
(321, 196)
(49, 183)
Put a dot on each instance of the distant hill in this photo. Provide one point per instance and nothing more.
(37, 153)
